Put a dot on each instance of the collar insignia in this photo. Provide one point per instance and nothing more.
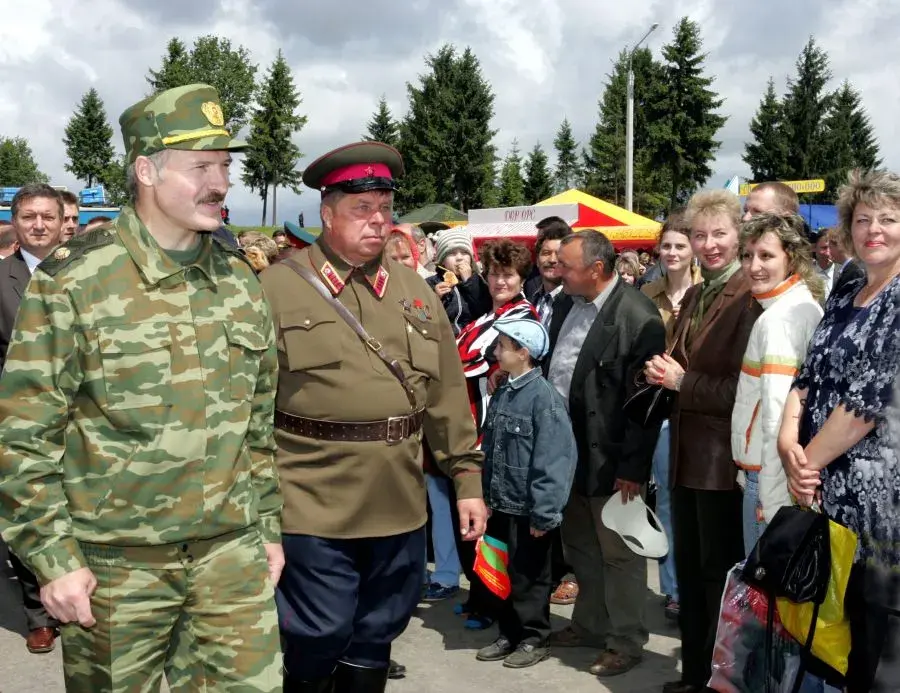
(331, 278)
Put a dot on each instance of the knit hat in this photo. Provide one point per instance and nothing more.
(448, 240)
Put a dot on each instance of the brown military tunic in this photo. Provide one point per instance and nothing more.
(343, 490)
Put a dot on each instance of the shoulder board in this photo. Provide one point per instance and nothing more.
(232, 250)
(77, 247)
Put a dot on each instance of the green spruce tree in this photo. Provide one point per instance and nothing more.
(17, 164)
(383, 127)
(446, 137)
(604, 156)
(212, 60)
(805, 107)
(538, 176)
(568, 170)
(511, 192)
(684, 118)
(88, 140)
(272, 156)
(767, 154)
(849, 140)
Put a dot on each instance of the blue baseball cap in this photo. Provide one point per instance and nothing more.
(529, 333)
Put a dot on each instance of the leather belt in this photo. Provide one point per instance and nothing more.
(392, 430)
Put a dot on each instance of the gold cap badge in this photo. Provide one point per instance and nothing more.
(62, 253)
(213, 113)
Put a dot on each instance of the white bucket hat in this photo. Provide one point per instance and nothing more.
(637, 524)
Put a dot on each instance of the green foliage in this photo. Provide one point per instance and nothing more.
(767, 154)
(604, 157)
(383, 127)
(272, 157)
(17, 164)
(114, 182)
(88, 140)
(568, 170)
(682, 116)
(538, 176)
(211, 60)
(511, 192)
(849, 140)
(446, 137)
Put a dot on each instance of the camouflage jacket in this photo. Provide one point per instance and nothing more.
(137, 401)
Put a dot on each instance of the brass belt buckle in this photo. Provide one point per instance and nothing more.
(401, 424)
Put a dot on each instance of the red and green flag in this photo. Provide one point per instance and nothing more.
(491, 560)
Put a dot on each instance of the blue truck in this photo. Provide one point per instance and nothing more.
(92, 203)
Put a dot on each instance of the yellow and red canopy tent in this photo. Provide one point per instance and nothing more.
(581, 211)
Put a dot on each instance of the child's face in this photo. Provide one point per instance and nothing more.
(509, 357)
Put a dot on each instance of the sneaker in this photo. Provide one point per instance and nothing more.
(671, 609)
(526, 655)
(501, 648)
(478, 622)
(437, 592)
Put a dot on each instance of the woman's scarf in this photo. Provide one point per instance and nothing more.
(714, 282)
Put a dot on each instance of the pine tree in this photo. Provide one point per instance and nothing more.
(17, 164)
(446, 137)
(683, 118)
(211, 60)
(849, 140)
(604, 157)
(511, 192)
(383, 127)
(767, 154)
(805, 108)
(538, 176)
(88, 140)
(272, 156)
(175, 71)
(568, 170)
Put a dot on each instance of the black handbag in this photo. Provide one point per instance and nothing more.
(650, 405)
(792, 559)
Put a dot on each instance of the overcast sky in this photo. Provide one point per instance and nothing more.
(546, 59)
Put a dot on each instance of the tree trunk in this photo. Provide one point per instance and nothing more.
(265, 198)
(274, 203)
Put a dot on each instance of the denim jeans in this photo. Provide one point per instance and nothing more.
(667, 582)
(443, 536)
(753, 528)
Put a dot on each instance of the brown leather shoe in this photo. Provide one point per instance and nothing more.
(41, 640)
(611, 663)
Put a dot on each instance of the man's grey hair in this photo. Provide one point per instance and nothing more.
(418, 234)
(595, 247)
(131, 184)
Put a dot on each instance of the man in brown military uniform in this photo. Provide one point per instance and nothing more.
(349, 432)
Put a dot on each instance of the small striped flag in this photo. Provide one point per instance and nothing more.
(491, 561)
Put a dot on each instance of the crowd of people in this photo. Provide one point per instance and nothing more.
(229, 475)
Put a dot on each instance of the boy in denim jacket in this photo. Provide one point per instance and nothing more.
(529, 464)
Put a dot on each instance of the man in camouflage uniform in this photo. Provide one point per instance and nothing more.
(136, 449)
(350, 434)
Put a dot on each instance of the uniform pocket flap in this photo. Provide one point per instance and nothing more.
(304, 320)
(245, 335)
(427, 328)
(133, 339)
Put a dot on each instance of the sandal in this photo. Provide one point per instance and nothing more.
(566, 593)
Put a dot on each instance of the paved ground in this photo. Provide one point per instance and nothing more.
(440, 655)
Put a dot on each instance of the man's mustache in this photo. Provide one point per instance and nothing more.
(212, 199)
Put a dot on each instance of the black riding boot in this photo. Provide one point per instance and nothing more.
(348, 679)
(294, 685)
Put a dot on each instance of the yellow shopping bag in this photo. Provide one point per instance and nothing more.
(831, 641)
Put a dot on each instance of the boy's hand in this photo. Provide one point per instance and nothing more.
(537, 533)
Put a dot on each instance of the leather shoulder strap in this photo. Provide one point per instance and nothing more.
(393, 366)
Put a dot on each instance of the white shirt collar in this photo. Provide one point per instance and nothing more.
(30, 260)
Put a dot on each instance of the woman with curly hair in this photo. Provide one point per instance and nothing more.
(628, 267)
(778, 260)
(835, 444)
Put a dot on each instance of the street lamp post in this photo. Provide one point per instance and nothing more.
(629, 126)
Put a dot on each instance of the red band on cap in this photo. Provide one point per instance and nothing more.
(355, 171)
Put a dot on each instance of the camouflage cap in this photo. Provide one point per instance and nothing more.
(188, 117)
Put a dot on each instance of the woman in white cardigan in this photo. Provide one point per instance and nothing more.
(778, 259)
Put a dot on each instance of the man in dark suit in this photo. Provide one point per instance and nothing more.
(543, 288)
(601, 334)
(37, 217)
(846, 267)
